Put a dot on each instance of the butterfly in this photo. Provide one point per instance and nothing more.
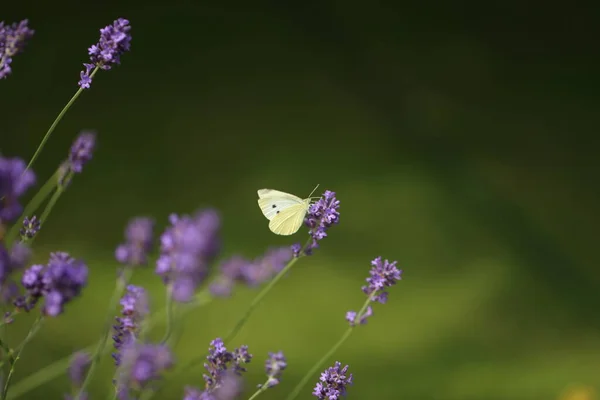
(284, 211)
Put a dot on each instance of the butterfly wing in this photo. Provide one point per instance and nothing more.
(288, 221)
(272, 202)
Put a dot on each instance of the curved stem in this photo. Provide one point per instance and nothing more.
(318, 365)
(259, 391)
(60, 116)
(32, 331)
(122, 282)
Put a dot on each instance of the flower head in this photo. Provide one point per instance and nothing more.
(220, 361)
(134, 309)
(138, 242)
(187, 248)
(320, 217)
(82, 151)
(12, 41)
(114, 40)
(31, 226)
(15, 179)
(274, 367)
(58, 282)
(382, 275)
(229, 389)
(77, 368)
(142, 364)
(333, 383)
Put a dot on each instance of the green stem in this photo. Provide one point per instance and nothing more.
(33, 205)
(122, 282)
(8, 353)
(318, 365)
(259, 391)
(32, 331)
(57, 368)
(169, 307)
(315, 368)
(56, 121)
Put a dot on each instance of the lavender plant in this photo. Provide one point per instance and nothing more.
(187, 251)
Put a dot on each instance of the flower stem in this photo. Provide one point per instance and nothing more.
(259, 391)
(169, 307)
(34, 204)
(315, 368)
(318, 365)
(32, 331)
(56, 121)
(122, 282)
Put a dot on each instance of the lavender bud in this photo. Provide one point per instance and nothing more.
(333, 383)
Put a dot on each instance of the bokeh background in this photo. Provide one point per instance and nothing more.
(461, 139)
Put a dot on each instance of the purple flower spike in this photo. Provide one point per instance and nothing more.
(383, 274)
(138, 242)
(333, 383)
(320, 217)
(14, 182)
(58, 282)
(114, 41)
(220, 361)
(12, 41)
(230, 388)
(78, 367)
(31, 226)
(230, 271)
(274, 367)
(187, 248)
(128, 325)
(82, 151)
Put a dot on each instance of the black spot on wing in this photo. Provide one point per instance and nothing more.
(274, 206)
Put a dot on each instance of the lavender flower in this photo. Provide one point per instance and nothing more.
(267, 266)
(59, 282)
(12, 41)
(31, 226)
(383, 274)
(296, 249)
(141, 365)
(11, 261)
(274, 367)
(320, 217)
(333, 383)
(135, 309)
(187, 248)
(114, 41)
(220, 361)
(77, 369)
(14, 182)
(138, 242)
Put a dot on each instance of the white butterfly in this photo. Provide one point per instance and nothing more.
(285, 211)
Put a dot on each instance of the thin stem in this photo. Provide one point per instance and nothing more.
(56, 121)
(32, 331)
(169, 307)
(263, 388)
(33, 205)
(318, 365)
(122, 282)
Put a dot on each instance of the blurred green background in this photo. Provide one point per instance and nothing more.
(461, 139)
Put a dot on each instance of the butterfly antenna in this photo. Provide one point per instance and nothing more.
(313, 191)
